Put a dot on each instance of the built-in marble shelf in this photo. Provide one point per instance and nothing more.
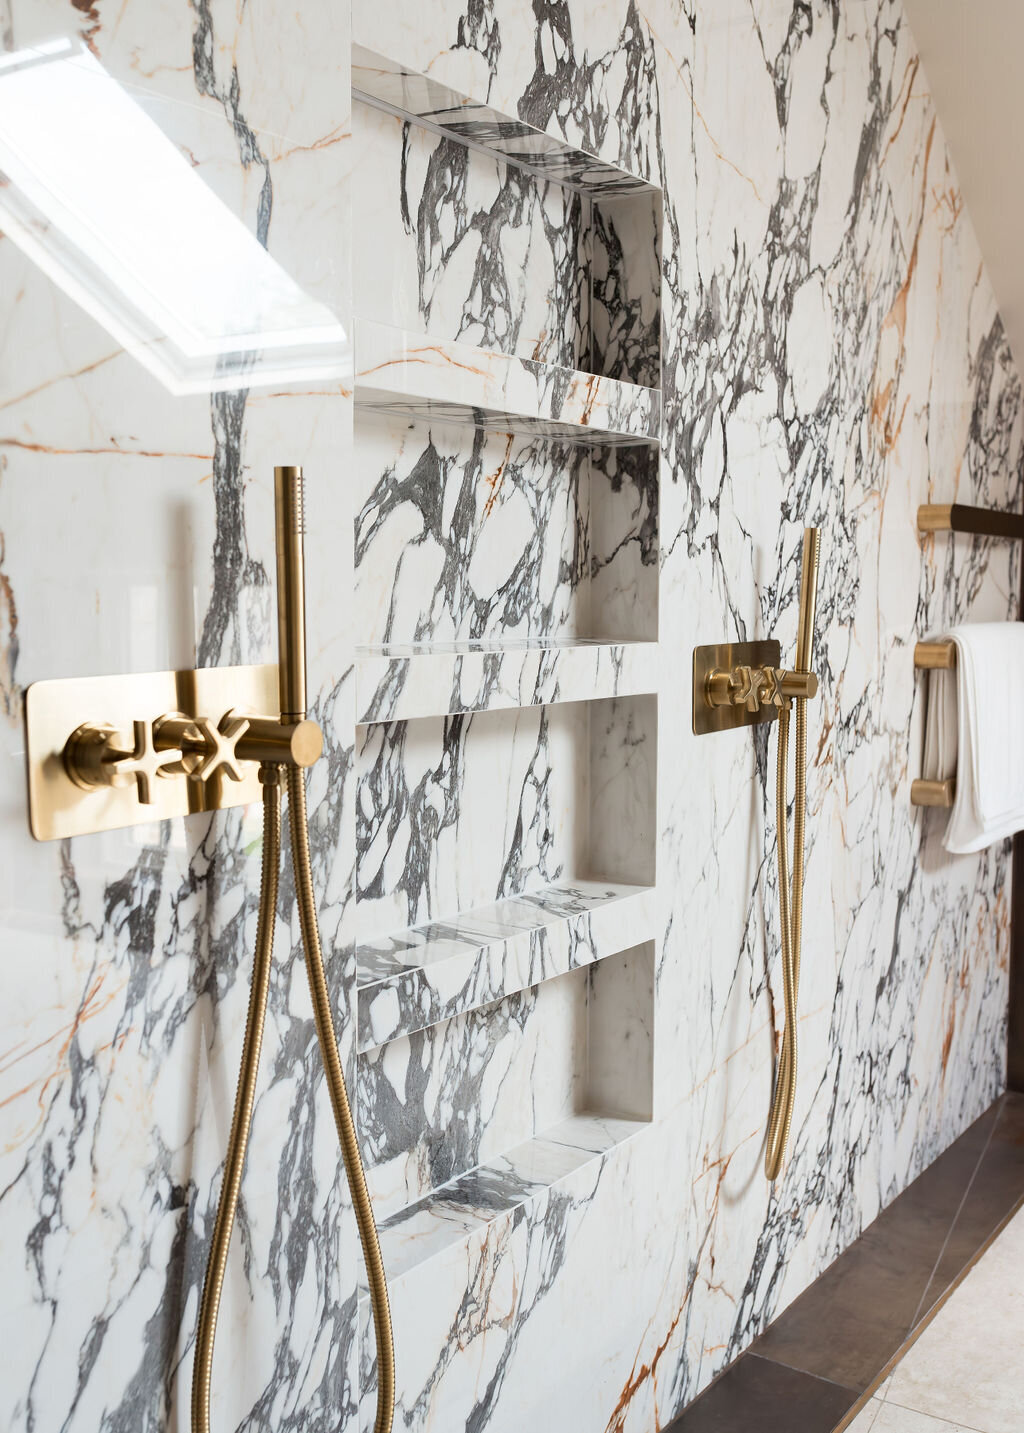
(496, 1188)
(400, 682)
(418, 977)
(442, 381)
(423, 100)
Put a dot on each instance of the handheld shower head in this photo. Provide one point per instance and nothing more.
(808, 598)
(289, 517)
(791, 896)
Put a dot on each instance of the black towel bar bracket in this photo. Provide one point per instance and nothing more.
(955, 517)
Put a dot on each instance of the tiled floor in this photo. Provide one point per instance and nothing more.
(833, 1345)
(965, 1373)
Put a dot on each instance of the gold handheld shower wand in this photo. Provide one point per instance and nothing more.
(288, 494)
(739, 684)
(791, 901)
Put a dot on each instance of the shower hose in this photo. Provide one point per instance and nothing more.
(242, 1118)
(790, 921)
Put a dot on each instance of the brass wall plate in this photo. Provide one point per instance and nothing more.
(53, 710)
(723, 656)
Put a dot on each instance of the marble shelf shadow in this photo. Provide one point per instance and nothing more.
(429, 973)
(443, 381)
(401, 681)
(382, 81)
(468, 1204)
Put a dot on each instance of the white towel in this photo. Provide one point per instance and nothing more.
(973, 731)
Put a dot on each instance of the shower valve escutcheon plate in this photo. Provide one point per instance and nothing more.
(153, 745)
(741, 684)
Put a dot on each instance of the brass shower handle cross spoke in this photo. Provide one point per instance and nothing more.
(207, 747)
(95, 757)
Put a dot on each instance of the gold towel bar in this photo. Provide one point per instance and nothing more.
(956, 517)
(929, 656)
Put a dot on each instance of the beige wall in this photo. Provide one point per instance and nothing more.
(973, 52)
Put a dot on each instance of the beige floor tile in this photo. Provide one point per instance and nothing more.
(865, 1419)
(892, 1419)
(966, 1366)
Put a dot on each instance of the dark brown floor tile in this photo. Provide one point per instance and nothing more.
(996, 1192)
(755, 1395)
(848, 1324)
(852, 1320)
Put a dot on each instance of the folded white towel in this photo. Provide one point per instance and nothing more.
(972, 731)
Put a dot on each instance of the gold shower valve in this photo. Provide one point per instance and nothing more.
(209, 747)
(757, 687)
(742, 684)
(131, 765)
(198, 748)
(167, 753)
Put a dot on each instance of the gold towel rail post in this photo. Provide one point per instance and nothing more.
(941, 656)
(932, 793)
(935, 656)
(932, 657)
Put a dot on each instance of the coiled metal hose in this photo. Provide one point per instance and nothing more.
(242, 1118)
(340, 1102)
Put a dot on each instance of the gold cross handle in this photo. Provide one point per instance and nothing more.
(757, 687)
(208, 747)
(95, 756)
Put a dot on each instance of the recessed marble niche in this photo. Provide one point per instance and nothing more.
(458, 245)
(508, 419)
(505, 872)
(501, 506)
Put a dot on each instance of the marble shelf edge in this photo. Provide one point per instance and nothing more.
(469, 1204)
(422, 99)
(412, 376)
(427, 974)
(402, 683)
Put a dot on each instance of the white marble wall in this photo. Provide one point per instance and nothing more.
(831, 353)
(138, 535)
